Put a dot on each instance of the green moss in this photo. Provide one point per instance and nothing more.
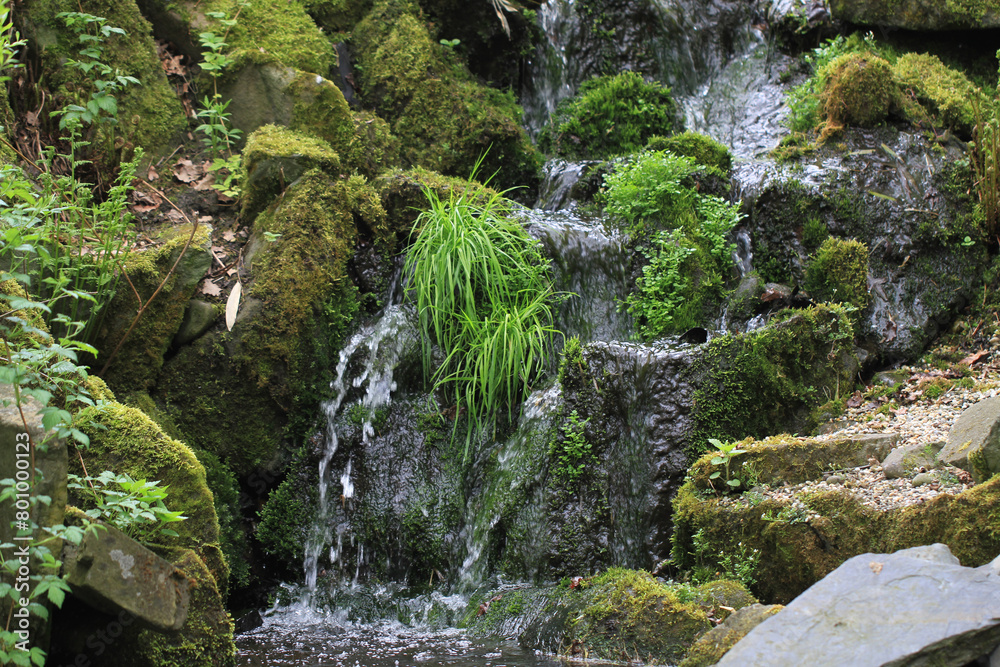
(612, 115)
(275, 157)
(276, 28)
(839, 273)
(335, 16)
(935, 94)
(286, 517)
(373, 148)
(858, 91)
(125, 440)
(232, 538)
(140, 358)
(149, 114)
(769, 380)
(321, 111)
(703, 150)
(799, 550)
(444, 119)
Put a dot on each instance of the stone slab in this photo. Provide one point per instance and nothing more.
(974, 440)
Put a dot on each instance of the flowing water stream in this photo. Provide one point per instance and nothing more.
(341, 617)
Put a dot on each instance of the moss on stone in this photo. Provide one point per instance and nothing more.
(444, 119)
(274, 28)
(702, 149)
(274, 158)
(612, 115)
(373, 148)
(286, 516)
(335, 16)
(799, 547)
(770, 379)
(711, 646)
(935, 94)
(838, 273)
(149, 114)
(321, 111)
(125, 440)
(858, 91)
(140, 357)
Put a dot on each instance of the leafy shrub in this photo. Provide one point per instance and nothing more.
(683, 235)
(703, 150)
(135, 507)
(482, 291)
(612, 115)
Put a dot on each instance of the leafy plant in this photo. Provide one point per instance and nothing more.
(574, 451)
(741, 565)
(727, 452)
(135, 507)
(482, 291)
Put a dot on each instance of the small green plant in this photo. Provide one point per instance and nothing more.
(727, 452)
(574, 451)
(742, 565)
(450, 44)
(135, 507)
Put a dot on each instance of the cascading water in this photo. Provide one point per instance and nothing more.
(342, 618)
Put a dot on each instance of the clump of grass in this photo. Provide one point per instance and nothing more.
(483, 294)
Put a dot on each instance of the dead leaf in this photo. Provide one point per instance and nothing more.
(229, 236)
(974, 358)
(205, 182)
(205, 218)
(875, 566)
(145, 202)
(186, 171)
(152, 174)
(233, 305)
(855, 400)
(219, 250)
(175, 216)
(211, 289)
(230, 272)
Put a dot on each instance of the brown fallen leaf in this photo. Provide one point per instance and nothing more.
(210, 288)
(230, 236)
(855, 400)
(974, 358)
(186, 171)
(205, 182)
(175, 216)
(205, 218)
(152, 174)
(875, 566)
(145, 202)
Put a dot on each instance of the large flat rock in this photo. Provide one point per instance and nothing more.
(918, 606)
(974, 440)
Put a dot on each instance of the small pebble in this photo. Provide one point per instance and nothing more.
(835, 479)
(923, 478)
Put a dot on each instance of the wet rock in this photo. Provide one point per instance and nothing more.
(916, 606)
(918, 14)
(974, 440)
(247, 622)
(712, 645)
(904, 461)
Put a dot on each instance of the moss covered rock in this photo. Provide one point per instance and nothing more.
(798, 547)
(613, 616)
(712, 645)
(859, 91)
(613, 115)
(704, 150)
(140, 357)
(150, 113)
(125, 440)
(920, 14)
(839, 273)
(444, 120)
(935, 94)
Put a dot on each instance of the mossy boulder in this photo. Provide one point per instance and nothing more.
(859, 91)
(613, 616)
(704, 150)
(934, 94)
(612, 115)
(125, 440)
(444, 119)
(712, 645)
(140, 357)
(275, 157)
(838, 273)
(336, 16)
(798, 547)
(919, 14)
(150, 113)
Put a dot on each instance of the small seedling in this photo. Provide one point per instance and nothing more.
(726, 453)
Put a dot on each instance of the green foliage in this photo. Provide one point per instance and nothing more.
(688, 252)
(839, 272)
(858, 91)
(481, 286)
(612, 115)
(219, 134)
(572, 451)
(727, 452)
(135, 507)
(935, 94)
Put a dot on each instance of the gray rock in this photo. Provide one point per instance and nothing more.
(114, 573)
(904, 461)
(835, 479)
(974, 440)
(890, 378)
(198, 318)
(917, 606)
(713, 644)
(923, 478)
